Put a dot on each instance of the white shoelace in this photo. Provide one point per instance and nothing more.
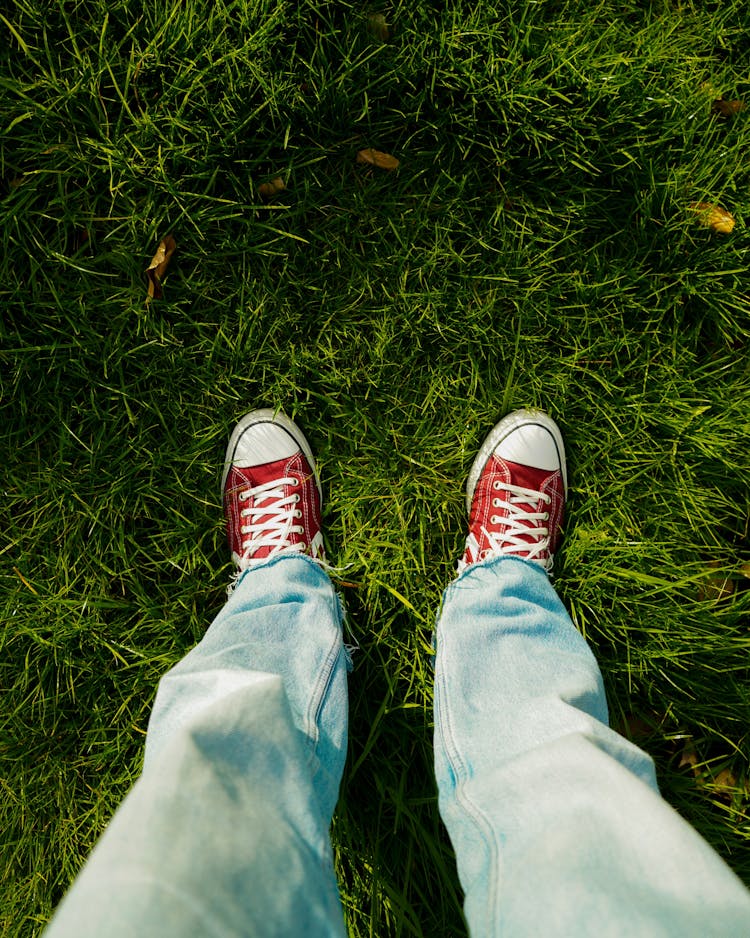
(519, 523)
(270, 520)
(523, 532)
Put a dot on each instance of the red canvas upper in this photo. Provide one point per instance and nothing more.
(488, 518)
(279, 501)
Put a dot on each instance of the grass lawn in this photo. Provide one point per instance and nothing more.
(534, 247)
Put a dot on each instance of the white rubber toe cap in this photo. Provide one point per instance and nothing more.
(531, 444)
(263, 443)
(526, 437)
(264, 436)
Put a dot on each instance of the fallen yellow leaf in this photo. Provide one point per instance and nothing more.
(158, 266)
(713, 216)
(268, 190)
(377, 158)
(378, 26)
(727, 108)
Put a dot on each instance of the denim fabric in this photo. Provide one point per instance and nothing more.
(556, 820)
(226, 831)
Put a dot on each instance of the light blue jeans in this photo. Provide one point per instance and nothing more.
(556, 820)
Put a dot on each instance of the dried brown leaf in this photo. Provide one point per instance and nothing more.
(724, 786)
(713, 216)
(378, 158)
(716, 586)
(378, 27)
(689, 758)
(635, 727)
(158, 266)
(725, 780)
(267, 190)
(727, 108)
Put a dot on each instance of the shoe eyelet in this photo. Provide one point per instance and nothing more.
(297, 513)
(545, 516)
(496, 503)
(494, 519)
(496, 485)
(295, 481)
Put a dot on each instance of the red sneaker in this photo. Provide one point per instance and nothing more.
(516, 491)
(272, 493)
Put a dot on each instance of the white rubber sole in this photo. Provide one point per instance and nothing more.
(268, 415)
(502, 430)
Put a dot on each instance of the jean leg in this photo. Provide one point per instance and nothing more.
(226, 831)
(556, 820)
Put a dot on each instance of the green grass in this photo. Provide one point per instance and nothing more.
(534, 248)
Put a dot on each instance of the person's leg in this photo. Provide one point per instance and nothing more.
(556, 820)
(226, 831)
